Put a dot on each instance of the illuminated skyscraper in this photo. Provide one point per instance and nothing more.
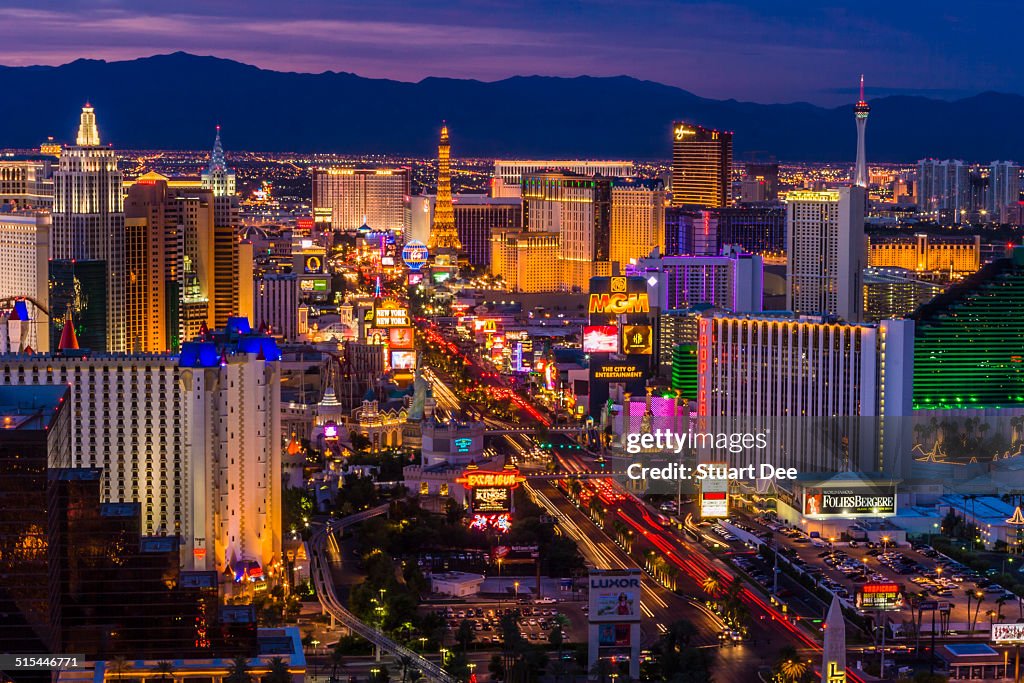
(217, 176)
(443, 235)
(1003, 189)
(524, 260)
(88, 133)
(88, 217)
(578, 209)
(195, 439)
(826, 252)
(701, 165)
(221, 179)
(943, 190)
(354, 196)
(638, 219)
(24, 255)
(508, 175)
(170, 254)
(861, 111)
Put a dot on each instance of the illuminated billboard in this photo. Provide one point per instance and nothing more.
(313, 284)
(415, 279)
(714, 495)
(600, 339)
(376, 336)
(403, 360)
(611, 297)
(617, 371)
(331, 431)
(313, 263)
(400, 337)
(637, 340)
(615, 596)
(849, 501)
(613, 635)
(390, 314)
(415, 254)
(491, 499)
(881, 597)
(500, 522)
(1008, 633)
(617, 304)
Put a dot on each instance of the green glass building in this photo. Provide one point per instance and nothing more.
(969, 341)
(684, 370)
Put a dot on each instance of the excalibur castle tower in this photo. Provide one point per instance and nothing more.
(88, 218)
(861, 111)
(444, 242)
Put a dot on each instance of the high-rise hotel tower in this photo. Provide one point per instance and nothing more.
(701, 165)
(88, 217)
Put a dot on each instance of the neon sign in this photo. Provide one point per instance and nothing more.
(501, 523)
(471, 479)
(619, 303)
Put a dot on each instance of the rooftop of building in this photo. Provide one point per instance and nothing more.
(959, 292)
(28, 216)
(990, 510)
(846, 479)
(31, 407)
(120, 509)
(457, 576)
(972, 651)
(28, 158)
(74, 473)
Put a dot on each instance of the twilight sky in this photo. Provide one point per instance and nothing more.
(761, 50)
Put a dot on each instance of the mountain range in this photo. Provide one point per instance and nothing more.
(174, 101)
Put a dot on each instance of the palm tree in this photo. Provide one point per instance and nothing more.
(238, 672)
(337, 660)
(118, 666)
(712, 584)
(166, 671)
(979, 596)
(278, 672)
(465, 635)
(404, 661)
(791, 667)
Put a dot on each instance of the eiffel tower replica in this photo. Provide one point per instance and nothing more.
(444, 244)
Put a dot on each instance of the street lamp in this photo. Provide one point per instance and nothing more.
(516, 585)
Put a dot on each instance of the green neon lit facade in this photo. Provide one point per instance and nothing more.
(969, 342)
(684, 370)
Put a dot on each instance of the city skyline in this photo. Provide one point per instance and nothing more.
(392, 40)
(531, 380)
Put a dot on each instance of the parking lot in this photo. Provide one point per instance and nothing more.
(535, 623)
(842, 567)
